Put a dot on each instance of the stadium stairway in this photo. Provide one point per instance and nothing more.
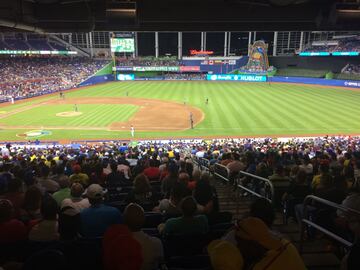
(317, 253)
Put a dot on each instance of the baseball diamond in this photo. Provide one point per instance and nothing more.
(156, 109)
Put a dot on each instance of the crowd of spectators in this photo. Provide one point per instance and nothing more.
(103, 194)
(351, 69)
(147, 61)
(351, 44)
(22, 77)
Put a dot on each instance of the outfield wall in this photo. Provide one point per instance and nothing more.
(303, 80)
(97, 79)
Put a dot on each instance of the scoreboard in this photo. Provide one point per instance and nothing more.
(122, 45)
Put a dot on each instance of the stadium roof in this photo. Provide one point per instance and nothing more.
(179, 15)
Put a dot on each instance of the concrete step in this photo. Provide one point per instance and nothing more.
(321, 260)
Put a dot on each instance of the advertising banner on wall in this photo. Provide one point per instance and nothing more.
(160, 68)
(122, 68)
(234, 77)
(189, 68)
(125, 77)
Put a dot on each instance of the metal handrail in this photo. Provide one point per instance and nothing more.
(305, 220)
(199, 161)
(267, 182)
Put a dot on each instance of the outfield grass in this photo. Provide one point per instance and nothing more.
(234, 109)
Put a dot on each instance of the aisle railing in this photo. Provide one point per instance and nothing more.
(307, 222)
(222, 172)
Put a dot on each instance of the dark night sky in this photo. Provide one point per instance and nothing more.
(168, 42)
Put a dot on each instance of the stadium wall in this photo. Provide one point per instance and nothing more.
(332, 63)
(304, 80)
(97, 79)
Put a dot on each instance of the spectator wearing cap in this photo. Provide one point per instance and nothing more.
(152, 249)
(46, 229)
(261, 249)
(76, 201)
(11, 230)
(188, 223)
(225, 256)
(96, 219)
(351, 260)
(78, 176)
(121, 250)
(64, 191)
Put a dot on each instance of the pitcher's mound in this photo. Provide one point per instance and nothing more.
(68, 114)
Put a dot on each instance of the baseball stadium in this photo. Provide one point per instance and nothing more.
(162, 136)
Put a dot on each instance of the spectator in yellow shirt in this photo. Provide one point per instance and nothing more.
(79, 177)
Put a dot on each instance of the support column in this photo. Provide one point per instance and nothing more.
(249, 44)
(229, 43)
(70, 38)
(156, 44)
(301, 41)
(202, 41)
(254, 36)
(275, 43)
(91, 44)
(288, 43)
(136, 53)
(225, 44)
(179, 45)
(87, 39)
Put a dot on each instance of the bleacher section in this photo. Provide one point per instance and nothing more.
(233, 182)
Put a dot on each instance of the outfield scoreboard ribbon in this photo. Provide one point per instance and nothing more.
(237, 77)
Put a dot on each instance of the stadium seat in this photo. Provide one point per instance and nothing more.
(152, 219)
(189, 262)
(185, 245)
(219, 217)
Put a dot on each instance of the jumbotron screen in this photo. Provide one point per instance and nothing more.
(122, 45)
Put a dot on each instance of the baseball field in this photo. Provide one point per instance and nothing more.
(163, 109)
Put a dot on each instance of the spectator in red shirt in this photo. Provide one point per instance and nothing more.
(152, 172)
(11, 230)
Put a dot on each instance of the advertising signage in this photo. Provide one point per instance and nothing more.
(328, 53)
(125, 77)
(233, 77)
(164, 68)
(37, 52)
(345, 53)
(314, 54)
(122, 68)
(189, 68)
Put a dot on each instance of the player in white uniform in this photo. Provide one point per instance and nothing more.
(132, 131)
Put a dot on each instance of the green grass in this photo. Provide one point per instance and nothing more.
(92, 115)
(234, 109)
